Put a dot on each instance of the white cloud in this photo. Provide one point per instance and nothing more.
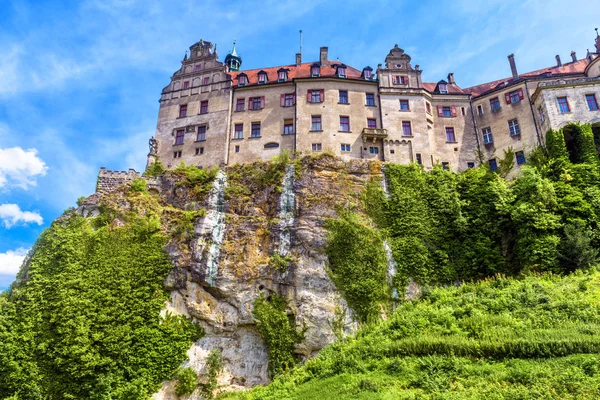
(11, 214)
(20, 167)
(11, 261)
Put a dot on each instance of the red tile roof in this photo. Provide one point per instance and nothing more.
(296, 71)
(577, 67)
(451, 87)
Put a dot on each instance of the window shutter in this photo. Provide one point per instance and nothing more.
(294, 98)
(249, 103)
(454, 111)
(309, 96)
(322, 95)
(282, 100)
(440, 111)
(507, 97)
(521, 94)
(262, 102)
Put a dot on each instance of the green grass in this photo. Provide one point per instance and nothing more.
(534, 338)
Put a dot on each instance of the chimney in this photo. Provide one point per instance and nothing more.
(451, 78)
(574, 56)
(513, 66)
(323, 55)
(298, 59)
(558, 62)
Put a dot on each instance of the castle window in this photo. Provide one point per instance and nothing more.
(563, 105)
(201, 133)
(479, 109)
(199, 150)
(237, 149)
(541, 112)
(493, 165)
(256, 103)
(315, 71)
(400, 80)
(373, 150)
(591, 102)
(288, 126)
(450, 137)
(186, 84)
(406, 128)
(282, 76)
(487, 135)
(446, 166)
(239, 105)
(370, 99)
(368, 74)
(242, 79)
(428, 107)
(520, 157)
(183, 111)
(404, 105)
(316, 123)
(255, 130)
(197, 68)
(271, 145)
(495, 104)
(513, 127)
(371, 123)
(419, 159)
(238, 132)
(345, 148)
(462, 110)
(344, 124)
(343, 97)
(262, 78)
(179, 136)
(443, 88)
(288, 99)
(206, 80)
(177, 154)
(470, 164)
(316, 95)
(204, 107)
(446, 112)
(316, 147)
(514, 97)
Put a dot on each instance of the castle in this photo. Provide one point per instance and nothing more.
(213, 113)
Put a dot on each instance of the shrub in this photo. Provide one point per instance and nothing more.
(138, 185)
(186, 381)
(155, 169)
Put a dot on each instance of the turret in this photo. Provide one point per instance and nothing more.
(233, 61)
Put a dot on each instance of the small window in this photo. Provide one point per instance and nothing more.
(344, 124)
(343, 97)
(315, 96)
(315, 71)
(368, 74)
(400, 80)
(520, 157)
(239, 105)
(262, 78)
(392, 151)
(591, 102)
(513, 127)
(493, 165)
(237, 149)
(370, 99)
(406, 128)
(204, 107)
(462, 110)
(541, 112)
(316, 146)
(487, 135)
(419, 159)
(271, 145)
(242, 80)
(446, 166)
(257, 103)
(288, 126)
(316, 123)
(446, 111)
(282, 76)
(373, 150)
(201, 133)
(495, 104)
(450, 138)
(443, 88)
(183, 111)
(514, 96)
(199, 150)
(197, 68)
(239, 131)
(479, 109)
(428, 107)
(341, 71)
(206, 80)
(179, 136)
(288, 100)
(186, 84)
(371, 123)
(470, 165)
(177, 154)
(345, 148)
(255, 130)
(404, 105)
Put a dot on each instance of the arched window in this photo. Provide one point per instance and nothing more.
(272, 145)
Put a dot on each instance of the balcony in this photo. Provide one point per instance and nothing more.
(374, 134)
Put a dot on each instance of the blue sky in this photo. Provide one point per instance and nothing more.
(80, 80)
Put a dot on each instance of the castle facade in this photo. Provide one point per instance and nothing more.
(214, 113)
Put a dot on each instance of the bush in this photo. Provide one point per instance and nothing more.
(138, 185)
(186, 381)
(155, 169)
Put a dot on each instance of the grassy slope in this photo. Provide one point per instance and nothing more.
(498, 339)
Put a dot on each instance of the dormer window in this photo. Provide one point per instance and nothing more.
(262, 77)
(242, 80)
(282, 75)
(341, 71)
(315, 70)
(368, 74)
(443, 88)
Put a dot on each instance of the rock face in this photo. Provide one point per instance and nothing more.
(228, 264)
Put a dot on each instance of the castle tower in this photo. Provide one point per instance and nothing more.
(233, 61)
